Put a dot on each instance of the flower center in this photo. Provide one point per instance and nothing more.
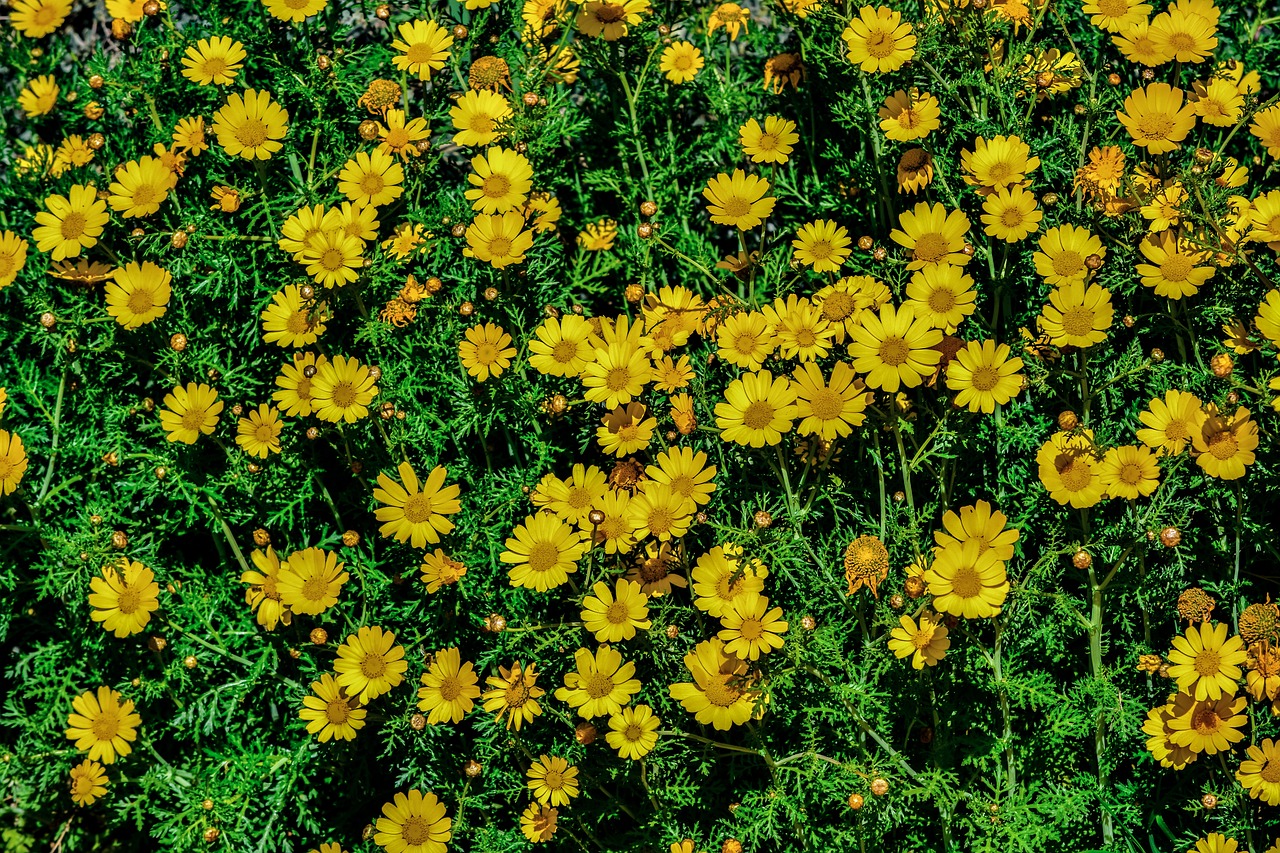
(1223, 445)
(517, 694)
(215, 67)
(193, 419)
(419, 53)
(942, 301)
(985, 378)
(1153, 126)
(344, 395)
(333, 260)
(128, 601)
(1113, 8)
(1176, 268)
(881, 44)
(450, 689)
(1207, 721)
(372, 184)
(1270, 770)
(140, 301)
(496, 186)
(931, 248)
(107, 724)
(838, 306)
(736, 207)
(1067, 263)
(720, 693)
(751, 629)
(1011, 217)
(1130, 474)
(633, 733)
(1075, 473)
(607, 13)
(966, 583)
(144, 194)
(820, 250)
(659, 520)
(418, 508)
(499, 247)
(617, 379)
(826, 404)
(599, 685)
(553, 780)
(1207, 663)
(758, 415)
(544, 556)
(618, 614)
(396, 138)
(252, 133)
(1077, 322)
(894, 351)
(415, 830)
(337, 711)
(372, 666)
(315, 588)
(564, 352)
(73, 225)
(922, 638)
(297, 323)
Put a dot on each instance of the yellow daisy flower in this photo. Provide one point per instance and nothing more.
(310, 581)
(124, 599)
(486, 351)
(738, 200)
(448, 688)
(878, 40)
(600, 685)
(251, 125)
(329, 713)
(422, 48)
(138, 293)
(213, 61)
(370, 663)
(758, 409)
(514, 694)
(341, 390)
(189, 412)
(103, 725)
(416, 823)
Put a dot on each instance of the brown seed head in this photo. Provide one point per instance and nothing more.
(879, 786)
(1170, 537)
(211, 833)
(119, 540)
(417, 722)
(190, 662)
(584, 733)
(1221, 365)
(855, 801)
(350, 538)
(1067, 421)
(1082, 560)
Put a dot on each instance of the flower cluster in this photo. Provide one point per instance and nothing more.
(855, 414)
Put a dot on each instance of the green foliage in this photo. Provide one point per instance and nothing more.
(1026, 736)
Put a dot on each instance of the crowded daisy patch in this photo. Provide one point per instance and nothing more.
(640, 426)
